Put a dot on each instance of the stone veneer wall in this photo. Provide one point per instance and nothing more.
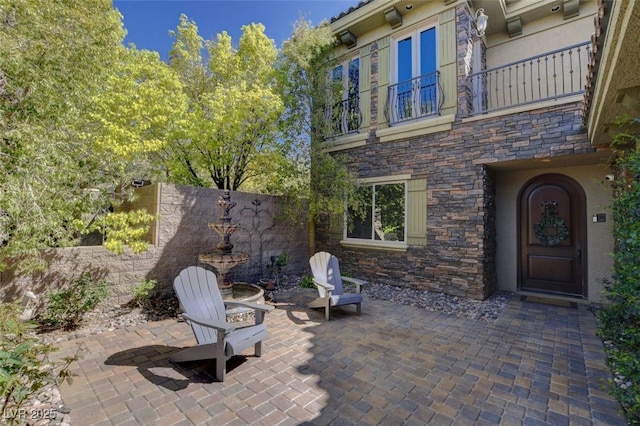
(459, 256)
(181, 234)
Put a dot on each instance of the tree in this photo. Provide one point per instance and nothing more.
(619, 320)
(139, 109)
(322, 179)
(62, 65)
(256, 115)
(234, 108)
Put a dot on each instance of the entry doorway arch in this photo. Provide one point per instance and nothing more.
(552, 236)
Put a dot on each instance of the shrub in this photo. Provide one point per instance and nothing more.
(281, 261)
(25, 367)
(64, 308)
(140, 291)
(307, 282)
(619, 321)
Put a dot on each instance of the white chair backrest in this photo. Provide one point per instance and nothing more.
(197, 290)
(325, 268)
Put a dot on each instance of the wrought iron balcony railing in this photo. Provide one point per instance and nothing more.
(416, 98)
(548, 76)
(344, 117)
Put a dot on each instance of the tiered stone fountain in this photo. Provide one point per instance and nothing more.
(223, 260)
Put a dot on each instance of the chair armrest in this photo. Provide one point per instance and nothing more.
(251, 305)
(215, 324)
(356, 281)
(324, 285)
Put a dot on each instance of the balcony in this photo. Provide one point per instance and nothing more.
(549, 76)
(413, 99)
(344, 117)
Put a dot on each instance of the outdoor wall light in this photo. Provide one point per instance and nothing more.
(481, 21)
(348, 39)
(478, 30)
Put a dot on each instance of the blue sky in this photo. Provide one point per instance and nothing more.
(148, 21)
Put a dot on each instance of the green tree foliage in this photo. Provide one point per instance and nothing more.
(81, 116)
(78, 115)
(139, 109)
(314, 175)
(234, 108)
(123, 228)
(254, 112)
(619, 321)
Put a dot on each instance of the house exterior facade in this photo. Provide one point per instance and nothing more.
(478, 166)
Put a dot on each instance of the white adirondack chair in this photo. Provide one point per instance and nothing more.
(327, 278)
(205, 310)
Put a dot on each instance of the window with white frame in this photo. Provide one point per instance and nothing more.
(378, 212)
(416, 91)
(343, 111)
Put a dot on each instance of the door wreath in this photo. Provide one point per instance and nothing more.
(551, 230)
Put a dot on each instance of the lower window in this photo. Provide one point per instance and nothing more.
(377, 213)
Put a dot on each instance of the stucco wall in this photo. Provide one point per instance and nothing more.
(599, 234)
(182, 233)
(541, 36)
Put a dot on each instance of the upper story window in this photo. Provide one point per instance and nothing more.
(378, 214)
(343, 110)
(416, 92)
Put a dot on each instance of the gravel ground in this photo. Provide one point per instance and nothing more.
(485, 310)
(112, 317)
(106, 317)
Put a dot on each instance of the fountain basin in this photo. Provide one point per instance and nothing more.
(243, 292)
(223, 262)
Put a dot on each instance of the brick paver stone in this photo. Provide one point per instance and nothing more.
(537, 364)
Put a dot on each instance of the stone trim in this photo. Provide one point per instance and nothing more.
(416, 128)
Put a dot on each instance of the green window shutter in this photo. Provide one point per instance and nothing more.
(448, 66)
(365, 69)
(417, 212)
(365, 89)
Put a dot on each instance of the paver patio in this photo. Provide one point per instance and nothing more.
(537, 365)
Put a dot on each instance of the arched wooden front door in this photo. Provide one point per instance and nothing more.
(552, 236)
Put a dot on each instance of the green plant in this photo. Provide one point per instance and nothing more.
(64, 308)
(277, 263)
(124, 229)
(140, 291)
(25, 367)
(307, 282)
(619, 321)
(281, 261)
